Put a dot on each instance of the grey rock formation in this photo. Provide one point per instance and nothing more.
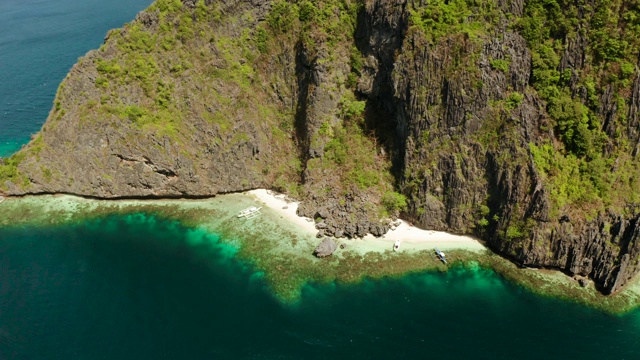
(457, 156)
(326, 248)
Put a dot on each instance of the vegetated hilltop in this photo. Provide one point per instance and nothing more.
(515, 121)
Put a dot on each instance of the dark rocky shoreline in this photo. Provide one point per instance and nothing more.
(441, 113)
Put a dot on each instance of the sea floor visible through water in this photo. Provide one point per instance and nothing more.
(82, 279)
(282, 252)
(89, 279)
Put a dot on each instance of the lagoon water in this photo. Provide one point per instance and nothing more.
(139, 287)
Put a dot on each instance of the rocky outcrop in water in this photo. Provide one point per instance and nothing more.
(326, 248)
(501, 121)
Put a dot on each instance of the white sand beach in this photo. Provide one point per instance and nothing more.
(285, 208)
(412, 238)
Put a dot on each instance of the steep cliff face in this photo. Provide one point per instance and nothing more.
(470, 122)
(168, 107)
(515, 121)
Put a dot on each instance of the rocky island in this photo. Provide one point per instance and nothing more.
(515, 121)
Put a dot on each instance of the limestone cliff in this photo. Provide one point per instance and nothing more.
(516, 121)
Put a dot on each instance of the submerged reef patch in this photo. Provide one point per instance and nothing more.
(281, 254)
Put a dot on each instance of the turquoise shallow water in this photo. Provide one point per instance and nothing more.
(136, 287)
(39, 42)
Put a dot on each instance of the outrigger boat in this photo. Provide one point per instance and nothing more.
(441, 255)
(396, 246)
(249, 212)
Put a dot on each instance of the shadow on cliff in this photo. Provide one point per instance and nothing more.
(378, 37)
(304, 78)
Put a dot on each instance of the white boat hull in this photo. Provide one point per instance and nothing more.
(250, 212)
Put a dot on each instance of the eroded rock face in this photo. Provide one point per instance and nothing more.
(449, 169)
(460, 151)
(342, 218)
(168, 130)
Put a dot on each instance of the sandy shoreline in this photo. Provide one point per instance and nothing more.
(412, 238)
(283, 251)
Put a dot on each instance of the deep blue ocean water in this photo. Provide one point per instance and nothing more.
(137, 287)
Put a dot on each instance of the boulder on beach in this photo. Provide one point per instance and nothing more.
(326, 248)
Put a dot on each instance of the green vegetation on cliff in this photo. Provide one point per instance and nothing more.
(351, 164)
(9, 169)
(517, 121)
(589, 169)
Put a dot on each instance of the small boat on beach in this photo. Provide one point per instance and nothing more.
(249, 212)
(396, 246)
(441, 255)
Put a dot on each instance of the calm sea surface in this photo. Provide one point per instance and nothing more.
(132, 287)
(136, 287)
